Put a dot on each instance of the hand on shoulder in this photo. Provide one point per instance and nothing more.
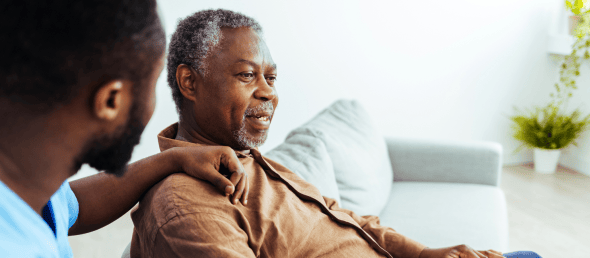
(206, 162)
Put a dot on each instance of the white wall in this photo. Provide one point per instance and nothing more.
(578, 158)
(440, 70)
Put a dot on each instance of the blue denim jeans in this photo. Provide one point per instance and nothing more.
(522, 254)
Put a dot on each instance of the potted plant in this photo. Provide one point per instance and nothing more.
(547, 130)
(550, 129)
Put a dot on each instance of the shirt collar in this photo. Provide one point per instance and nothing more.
(166, 140)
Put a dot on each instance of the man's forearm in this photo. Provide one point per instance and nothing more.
(103, 198)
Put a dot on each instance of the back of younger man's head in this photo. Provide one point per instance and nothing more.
(53, 49)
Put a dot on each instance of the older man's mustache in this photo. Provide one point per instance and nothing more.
(265, 109)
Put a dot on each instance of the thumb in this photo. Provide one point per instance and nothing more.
(220, 181)
(229, 160)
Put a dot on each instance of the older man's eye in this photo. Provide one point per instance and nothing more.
(247, 75)
(271, 78)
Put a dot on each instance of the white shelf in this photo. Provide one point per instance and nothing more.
(560, 44)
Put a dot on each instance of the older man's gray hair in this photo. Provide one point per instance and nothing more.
(195, 36)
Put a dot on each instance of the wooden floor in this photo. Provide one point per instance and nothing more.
(548, 214)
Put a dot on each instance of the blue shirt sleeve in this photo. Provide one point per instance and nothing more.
(73, 206)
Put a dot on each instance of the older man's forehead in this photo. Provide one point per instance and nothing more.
(240, 44)
(244, 37)
(252, 63)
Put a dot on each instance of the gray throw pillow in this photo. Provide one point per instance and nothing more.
(307, 157)
(357, 152)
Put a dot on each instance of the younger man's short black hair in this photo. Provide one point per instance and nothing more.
(51, 49)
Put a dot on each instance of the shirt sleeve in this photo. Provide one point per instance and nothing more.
(201, 235)
(393, 242)
(73, 206)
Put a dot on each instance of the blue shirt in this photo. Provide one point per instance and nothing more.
(23, 233)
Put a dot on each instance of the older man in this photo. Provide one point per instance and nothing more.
(223, 79)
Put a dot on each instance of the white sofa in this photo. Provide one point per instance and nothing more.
(446, 194)
(438, 193)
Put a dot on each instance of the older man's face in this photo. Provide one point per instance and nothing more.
(237, 100)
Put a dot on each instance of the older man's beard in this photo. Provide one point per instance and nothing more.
(111, 153)
(246, 141)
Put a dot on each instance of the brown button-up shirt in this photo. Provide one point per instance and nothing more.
(285, 217)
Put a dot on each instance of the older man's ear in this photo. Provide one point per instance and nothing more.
(188, 80)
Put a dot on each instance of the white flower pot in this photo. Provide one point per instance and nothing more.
(546, 160)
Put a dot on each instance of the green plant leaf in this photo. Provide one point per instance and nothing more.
(547, 127)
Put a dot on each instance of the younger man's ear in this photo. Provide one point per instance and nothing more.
(108, 100)
(188, 79)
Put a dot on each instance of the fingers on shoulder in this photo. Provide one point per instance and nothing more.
(225, 150)
(230, 160)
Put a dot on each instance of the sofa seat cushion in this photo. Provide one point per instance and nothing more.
(448, 214)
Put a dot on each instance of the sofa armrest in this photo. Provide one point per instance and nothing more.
(436, 161)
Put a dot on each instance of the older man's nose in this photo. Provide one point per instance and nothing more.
(265, 91)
